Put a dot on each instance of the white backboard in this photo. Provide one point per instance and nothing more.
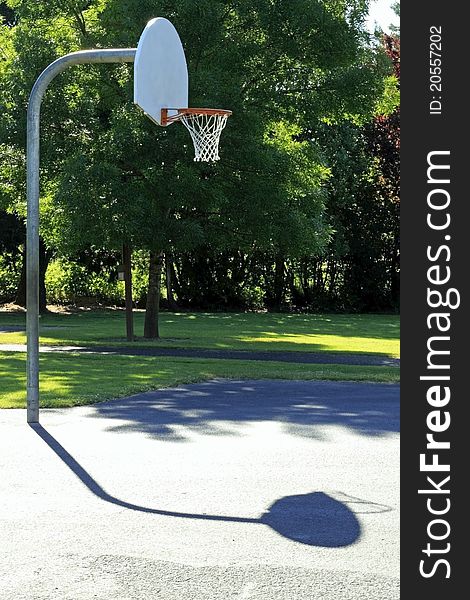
(160, 71)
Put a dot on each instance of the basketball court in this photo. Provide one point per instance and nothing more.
(224, 489)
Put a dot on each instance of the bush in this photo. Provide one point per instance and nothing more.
(10, 271)
(69, 283)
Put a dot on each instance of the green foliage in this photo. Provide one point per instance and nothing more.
(88, 280)
(390, 100)
(109, 176)
(11, 240)
(68, 283)
(360, 269)
(9, 277)
(355, 271)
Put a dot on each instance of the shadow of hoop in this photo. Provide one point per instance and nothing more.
(315, 519)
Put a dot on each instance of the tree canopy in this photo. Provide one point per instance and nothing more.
(109, 176)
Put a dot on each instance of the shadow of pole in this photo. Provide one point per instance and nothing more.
(97, 490)
(315, 519)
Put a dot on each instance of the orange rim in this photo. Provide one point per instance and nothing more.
(191, 111)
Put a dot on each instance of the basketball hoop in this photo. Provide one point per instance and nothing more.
(161, 82)
(204, 125)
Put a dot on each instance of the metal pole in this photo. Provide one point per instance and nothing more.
(111, 55)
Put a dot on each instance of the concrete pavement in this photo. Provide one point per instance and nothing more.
(225, 489)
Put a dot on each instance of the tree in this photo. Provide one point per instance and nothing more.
(26, 49)
(360, 269)
(110, 177)
(384, 142)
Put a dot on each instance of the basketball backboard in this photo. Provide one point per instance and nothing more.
(160, 71)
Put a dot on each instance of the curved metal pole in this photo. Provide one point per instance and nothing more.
(111, 55)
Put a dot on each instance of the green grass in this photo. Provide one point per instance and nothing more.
(74, 379)
(369, 334)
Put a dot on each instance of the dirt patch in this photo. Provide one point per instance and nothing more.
(68, 309)
(9, 307)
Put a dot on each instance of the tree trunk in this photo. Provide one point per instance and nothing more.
(20, 297)
(152, 309)
(44, 259)
(127, 265)
(175, 280)
(332, 268)
(169, 282)
(395, 275)
(279, 281)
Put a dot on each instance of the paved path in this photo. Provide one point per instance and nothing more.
(275, 355)
(254, 490)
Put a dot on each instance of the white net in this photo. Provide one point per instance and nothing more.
(205, 130)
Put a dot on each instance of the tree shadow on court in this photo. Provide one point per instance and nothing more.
(226, 407)
(314, 519)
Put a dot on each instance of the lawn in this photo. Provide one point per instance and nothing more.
(369, 334)
(71, 379)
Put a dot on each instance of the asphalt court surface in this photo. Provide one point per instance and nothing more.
(223, 489)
